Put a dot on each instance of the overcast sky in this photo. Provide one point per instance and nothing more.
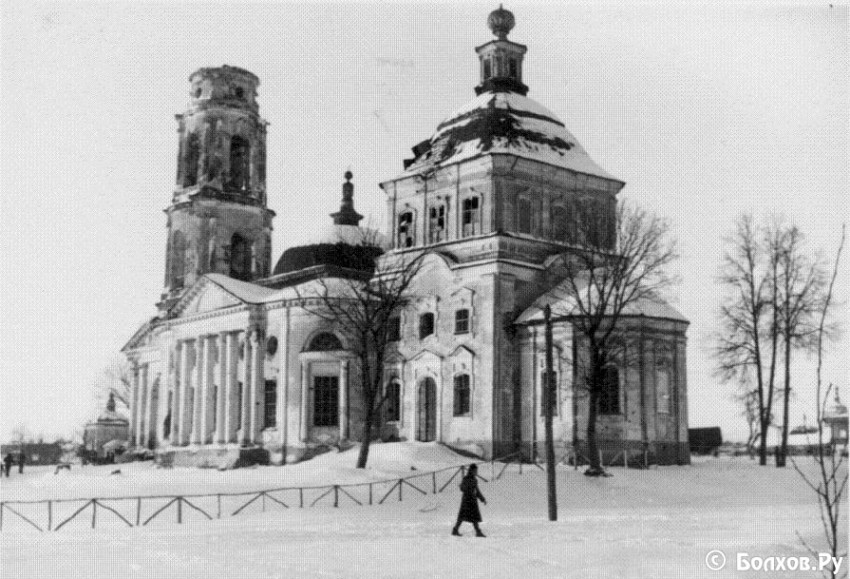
(705, 112)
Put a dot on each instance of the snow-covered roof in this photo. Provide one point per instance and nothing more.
(505, 123)
(245, 291)
(561, 301)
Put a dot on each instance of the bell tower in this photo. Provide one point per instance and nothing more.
(218, 221)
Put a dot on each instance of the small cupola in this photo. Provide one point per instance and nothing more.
(346, 214)
(501, 59)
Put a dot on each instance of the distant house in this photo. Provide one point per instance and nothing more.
(705, 440)
(105, 437)
(35, 452)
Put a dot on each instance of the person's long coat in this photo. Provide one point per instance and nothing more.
(469, 511)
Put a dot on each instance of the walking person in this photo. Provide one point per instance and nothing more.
(7, 463)
(469, 511)
(22, 458)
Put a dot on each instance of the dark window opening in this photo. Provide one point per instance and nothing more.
(426, 325)
(560, 225)
(325, 342)
(609, 397)
(326, 401)
(462, 402)
(513, 68)
(437, 224)
(239, 92)
(240, 258)
(193, 154)
(270, 404)
(178, 260)
(393, 402)
(462, 321)
(471, 217)
(240, 163)
(239, 388)
(524, 216)
(394, 329)
(405, 229)
(487, 68)
(271, 346)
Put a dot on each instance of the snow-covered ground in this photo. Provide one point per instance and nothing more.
(655, 523)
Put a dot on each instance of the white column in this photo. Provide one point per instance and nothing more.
(198, 401)
(257, 385)
(220, 404)
(343, 399)
(283, 383)
(305, 401)
(134, 404)
(185, 391)
(175, 396)
(245, 421)
(144, 406)
(162, 396)
(207, 417)
(232, 392)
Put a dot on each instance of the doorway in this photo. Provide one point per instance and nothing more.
(426, 411)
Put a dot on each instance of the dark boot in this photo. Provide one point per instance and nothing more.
(478, 532)
(455, 532)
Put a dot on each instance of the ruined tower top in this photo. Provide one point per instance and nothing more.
(227, 86)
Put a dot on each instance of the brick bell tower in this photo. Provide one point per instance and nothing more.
(218, 221)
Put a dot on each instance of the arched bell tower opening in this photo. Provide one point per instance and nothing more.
(218, 221)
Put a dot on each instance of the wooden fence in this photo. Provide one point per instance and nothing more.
(52, 515)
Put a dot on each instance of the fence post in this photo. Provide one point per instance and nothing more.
(301, 497)
(434, 482)
(336, 496)
(138, 510)
(626, 457)
(93, 512)
(400, 484)
(218, 501)
(263, 501)
(1, 515)
(370, 493)
(49, 515)
(179, 509)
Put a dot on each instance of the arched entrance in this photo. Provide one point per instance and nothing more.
(426, 410)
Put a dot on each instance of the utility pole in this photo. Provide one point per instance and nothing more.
(549, 402)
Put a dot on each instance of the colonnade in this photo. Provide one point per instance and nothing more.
(212, 401)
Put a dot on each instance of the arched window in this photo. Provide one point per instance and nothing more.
(324, 342)
(240, 163)
(471, 217)
(240, 258)
(437, 224)
(609, 399)
(524, 216)
(394, 329)
(193, 154)
(405, 229)
(393, 402)
(570, 218)
(487, 69)
(178, 260)
(426, 325)
(462, 398)
(558, 217)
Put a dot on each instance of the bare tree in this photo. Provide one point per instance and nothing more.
(830, 481)
(748, 399)
(629, 265)
(801, 284)
(746, 342)
(116, 379)
(363, 304)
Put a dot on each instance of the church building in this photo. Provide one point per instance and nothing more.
(237, 368)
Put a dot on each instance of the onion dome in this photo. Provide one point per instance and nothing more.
(501, 22)
(341, 244)
(837, 412)
(110, 415)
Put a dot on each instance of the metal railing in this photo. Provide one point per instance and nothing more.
(141, 510)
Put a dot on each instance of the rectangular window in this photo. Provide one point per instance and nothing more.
(609, 397)
(326, 401)
(513, 68)
(394, 329)
(405, 229)
(662, 379)
(524, 216)
(426, 325)
(471, 217)
(437, 224)
(462, 321)
(543, 393)
(270, 404)
(393, 403)
(462, 405)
